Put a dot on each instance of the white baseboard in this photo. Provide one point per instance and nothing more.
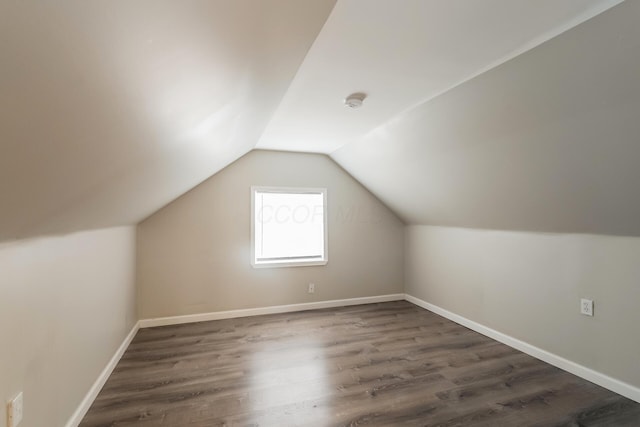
(581, 371)
(91, 395)
(601, 379)
(217, 315)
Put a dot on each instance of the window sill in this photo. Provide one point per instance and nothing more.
(279, 264)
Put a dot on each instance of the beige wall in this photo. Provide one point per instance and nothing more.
(528, 286)
(194, 255)
(66, 304)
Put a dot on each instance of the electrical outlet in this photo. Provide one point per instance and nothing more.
(312, 288)
(14, 411)
(586, 307)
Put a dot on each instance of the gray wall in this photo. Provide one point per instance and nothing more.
(548, 141)
(66, 305)
(194, 254)
(528, 286)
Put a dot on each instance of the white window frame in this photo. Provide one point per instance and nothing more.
(288, 263)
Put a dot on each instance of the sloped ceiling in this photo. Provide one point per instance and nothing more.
(403, 53)
(109, 109)
(549, 141)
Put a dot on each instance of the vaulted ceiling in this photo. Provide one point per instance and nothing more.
(507, 114)
(402, 54)
(110, 109)
(548, 142)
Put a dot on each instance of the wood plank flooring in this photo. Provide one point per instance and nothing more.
(389, 364)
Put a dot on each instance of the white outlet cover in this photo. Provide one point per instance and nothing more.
(586, 307)
(15, 410)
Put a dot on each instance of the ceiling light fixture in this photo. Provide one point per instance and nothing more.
(355, 100)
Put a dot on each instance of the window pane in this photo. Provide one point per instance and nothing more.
(289, 225)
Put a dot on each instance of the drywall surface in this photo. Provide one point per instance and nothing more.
(66, 304)
(546, 142)
(529, 285)
(194, 254)
(111, 109)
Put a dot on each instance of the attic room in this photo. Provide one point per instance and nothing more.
(319, 213)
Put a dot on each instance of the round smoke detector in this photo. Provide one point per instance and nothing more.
(355, 100)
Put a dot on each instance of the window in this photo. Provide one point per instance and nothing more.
(288, 226)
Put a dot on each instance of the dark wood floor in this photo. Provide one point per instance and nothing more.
(379, 364)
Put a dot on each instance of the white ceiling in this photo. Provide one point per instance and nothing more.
(110, 109)
(403, 53)
(547, 142)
